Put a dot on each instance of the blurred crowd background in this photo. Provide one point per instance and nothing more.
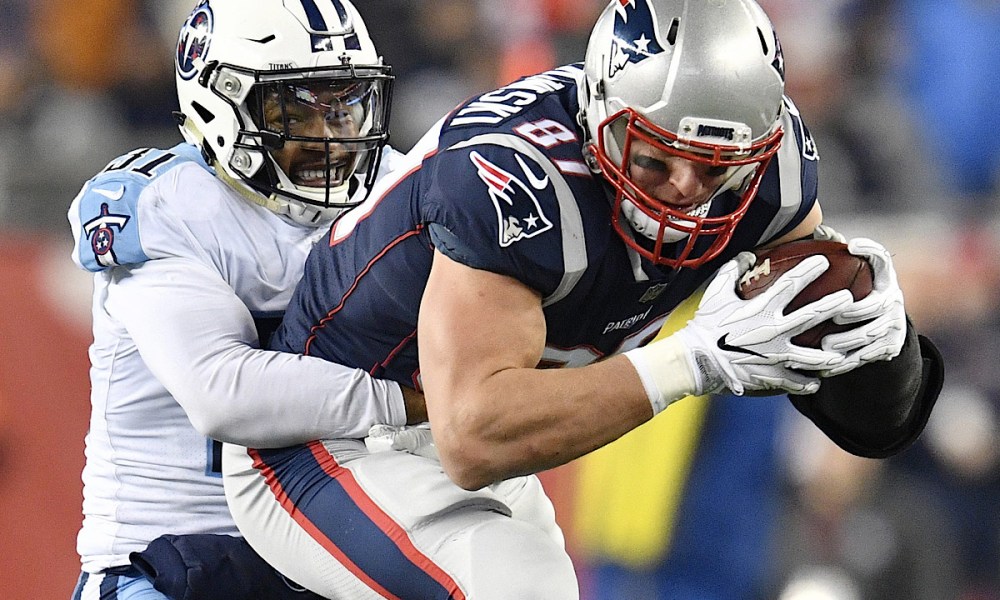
(903, 98)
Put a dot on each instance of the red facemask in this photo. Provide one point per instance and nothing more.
(718, 228)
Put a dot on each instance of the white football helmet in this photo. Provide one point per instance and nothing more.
(698, 79)
(287, 99)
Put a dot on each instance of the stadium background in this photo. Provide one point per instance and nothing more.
(901, 95)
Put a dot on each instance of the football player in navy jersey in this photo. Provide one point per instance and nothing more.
(196, 250)
(557, 222)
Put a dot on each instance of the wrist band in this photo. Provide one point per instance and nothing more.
(665, 371)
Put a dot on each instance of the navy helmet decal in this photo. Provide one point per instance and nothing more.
(194, 40)
(779, 59)
(635, 36)
(327, 19)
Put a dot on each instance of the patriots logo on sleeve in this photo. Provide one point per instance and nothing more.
(634, 38)
(519, 213)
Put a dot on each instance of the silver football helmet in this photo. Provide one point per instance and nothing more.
(288, 100)
(698, 79)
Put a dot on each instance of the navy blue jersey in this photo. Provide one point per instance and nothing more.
(501, 184)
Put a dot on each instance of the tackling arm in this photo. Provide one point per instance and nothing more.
(197, 337)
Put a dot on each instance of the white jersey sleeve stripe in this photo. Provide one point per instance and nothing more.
(573, 167)
(789, 159)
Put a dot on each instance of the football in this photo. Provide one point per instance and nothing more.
(846, 272)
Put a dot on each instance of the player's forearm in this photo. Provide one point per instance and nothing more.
(880, 408)
(266, 399)
(197, 339)
(520, 421)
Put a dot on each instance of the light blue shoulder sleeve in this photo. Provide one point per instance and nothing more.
(104, 215)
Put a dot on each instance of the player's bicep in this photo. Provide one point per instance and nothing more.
(474, 324)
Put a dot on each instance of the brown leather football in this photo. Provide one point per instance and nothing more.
(846, 272)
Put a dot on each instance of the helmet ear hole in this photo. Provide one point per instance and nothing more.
(763, 41)
(672, 32)
(203, 113)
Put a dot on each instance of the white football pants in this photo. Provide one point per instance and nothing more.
(354, 525)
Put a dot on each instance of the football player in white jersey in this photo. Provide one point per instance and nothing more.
(195, 252)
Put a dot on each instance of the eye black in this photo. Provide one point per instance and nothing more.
(650, 163)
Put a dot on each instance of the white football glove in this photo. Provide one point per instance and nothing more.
(745, 345)
(827, 233)
(882, 338)
(414, 439)
(742, 345)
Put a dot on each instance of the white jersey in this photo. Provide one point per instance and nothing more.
(186, 271)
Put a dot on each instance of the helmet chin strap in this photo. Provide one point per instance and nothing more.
(300, 213)
(268, 202)
(737, 178)
(194, 136)
(190, 131)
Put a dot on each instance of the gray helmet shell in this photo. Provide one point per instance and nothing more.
(705, 62)
(704, 79)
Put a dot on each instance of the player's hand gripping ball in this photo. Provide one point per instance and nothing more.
(846, 272)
